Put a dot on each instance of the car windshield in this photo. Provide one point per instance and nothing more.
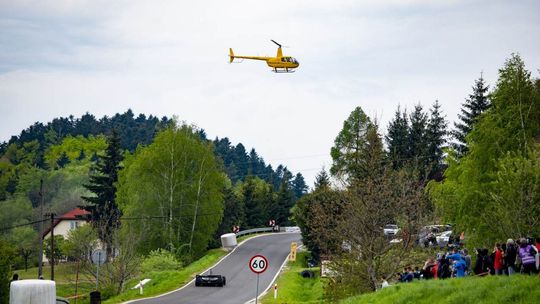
(391, 227)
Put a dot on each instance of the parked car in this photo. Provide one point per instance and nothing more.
(443, 238)
(390, 229)
(428, 234)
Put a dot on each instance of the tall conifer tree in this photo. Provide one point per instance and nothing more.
(397, 139)
(103, 208)
(476, 104)
(417, 139)
(436, 138)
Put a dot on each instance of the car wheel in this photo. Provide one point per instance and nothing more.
(224, 281)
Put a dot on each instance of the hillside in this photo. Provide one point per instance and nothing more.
(493, 289)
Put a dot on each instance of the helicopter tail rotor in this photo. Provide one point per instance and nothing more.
(231, 55)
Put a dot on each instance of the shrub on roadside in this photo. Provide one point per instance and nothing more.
(159, 260)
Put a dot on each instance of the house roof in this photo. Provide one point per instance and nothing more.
(71, 215)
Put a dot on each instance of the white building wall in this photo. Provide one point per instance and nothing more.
(62, 228)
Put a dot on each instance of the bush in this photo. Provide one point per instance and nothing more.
(159, 260)
(7, 256)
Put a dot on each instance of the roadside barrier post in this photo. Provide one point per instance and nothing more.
(275, 291)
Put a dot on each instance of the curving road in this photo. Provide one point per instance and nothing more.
(241, 282)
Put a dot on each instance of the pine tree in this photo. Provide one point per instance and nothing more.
(103, 208)
(417, 139)
(476, 104)
(397, 139)
(436, 138)
(63, 160)
(253, 163)
(299, 186)
(82, 155)
(252, 205)
(282, 205)
(322, 180)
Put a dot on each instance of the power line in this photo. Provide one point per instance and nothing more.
(22, 225)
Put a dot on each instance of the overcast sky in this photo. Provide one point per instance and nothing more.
(63, 57)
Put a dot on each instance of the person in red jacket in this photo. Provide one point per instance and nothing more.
(498, 262)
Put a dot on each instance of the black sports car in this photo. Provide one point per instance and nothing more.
(210, 280)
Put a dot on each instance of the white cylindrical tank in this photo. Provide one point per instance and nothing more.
(32, 291)
(228, 240)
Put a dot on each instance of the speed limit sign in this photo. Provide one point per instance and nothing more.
(258, 264)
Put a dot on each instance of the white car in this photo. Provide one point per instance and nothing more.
(391, 229)
(442, 239)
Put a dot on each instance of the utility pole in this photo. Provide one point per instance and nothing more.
(40, 257)
(52, 246)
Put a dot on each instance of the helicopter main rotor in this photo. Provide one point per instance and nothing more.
(275, 42)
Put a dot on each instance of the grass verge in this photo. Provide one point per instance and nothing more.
(64, 276)
(492, 289)
(164, 281)
(293, 288)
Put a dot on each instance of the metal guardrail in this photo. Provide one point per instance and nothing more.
(255, 230)
(269, 229)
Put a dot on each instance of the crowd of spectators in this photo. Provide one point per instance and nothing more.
(521, 256)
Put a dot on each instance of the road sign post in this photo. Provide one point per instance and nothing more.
(258, 264)
(98, 257)
(292, 256)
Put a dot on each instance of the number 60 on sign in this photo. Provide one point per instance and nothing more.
(258, 264)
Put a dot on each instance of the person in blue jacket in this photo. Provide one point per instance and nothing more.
(459, 264)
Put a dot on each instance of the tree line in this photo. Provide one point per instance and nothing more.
(482, 176)
(174, 193)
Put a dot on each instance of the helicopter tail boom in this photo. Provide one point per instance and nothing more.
(231, 55)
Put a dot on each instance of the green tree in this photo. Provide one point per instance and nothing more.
(348, 152)
(281, 209)
(299, 186)
(397, 139)
(322, 180)
(436, 139)
(82, 155)
(233, 215)
(58, 252)
(103, 207)
(417, 140)
(80, 243)
(501, 141)
(476, 104)
(63, 160)
(7, 260)
(25, 239)
(368, 255)
(7, 176)
(177, 181)
(318, 213)
(258, 200)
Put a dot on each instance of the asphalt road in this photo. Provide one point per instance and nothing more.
(241, 282)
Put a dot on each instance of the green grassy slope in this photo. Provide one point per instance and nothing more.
(492, 289)
(165, 281)
(293, 288)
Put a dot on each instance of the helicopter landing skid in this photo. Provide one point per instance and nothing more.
(283, 71)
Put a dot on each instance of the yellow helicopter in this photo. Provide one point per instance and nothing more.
(279, 64)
